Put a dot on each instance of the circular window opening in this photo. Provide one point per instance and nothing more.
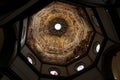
(30, 59)
(57, 26)
(80, 67)
(97, 47)
(54, 71)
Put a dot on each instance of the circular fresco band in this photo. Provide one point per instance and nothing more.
(58, 46)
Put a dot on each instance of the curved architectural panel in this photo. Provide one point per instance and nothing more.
(58, 33)
(2, 38)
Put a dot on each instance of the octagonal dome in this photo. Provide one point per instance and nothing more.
(58, 33)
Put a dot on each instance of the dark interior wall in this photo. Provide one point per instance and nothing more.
(1, 38)
(8, 5)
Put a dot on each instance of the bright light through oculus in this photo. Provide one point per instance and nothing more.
(58, 26)
(97, 48)
(53, 72)
(80, 67)
(30, 60)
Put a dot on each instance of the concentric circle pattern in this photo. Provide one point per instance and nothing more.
(58, 46)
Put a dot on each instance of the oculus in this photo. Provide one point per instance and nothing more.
(96, 47)
(30, 60)
(58, 33)
(53, 72)
(80, 67)
(57, 26)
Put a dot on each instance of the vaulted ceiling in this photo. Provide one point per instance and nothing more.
(61, 40)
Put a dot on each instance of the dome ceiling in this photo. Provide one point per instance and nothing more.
(57, 40)
(59, 33)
